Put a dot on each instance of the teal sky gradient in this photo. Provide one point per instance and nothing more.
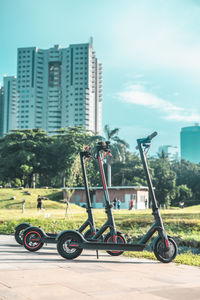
(150, 51)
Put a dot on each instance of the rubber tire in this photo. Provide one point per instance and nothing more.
(18, 231)
(61, 243)
(38, 233)
(119, 236)
(158, 250)
(88, 235)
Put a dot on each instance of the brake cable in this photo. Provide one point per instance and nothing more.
(106, 153)
(147, 149)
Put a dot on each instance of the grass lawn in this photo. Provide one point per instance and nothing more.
(182, 224)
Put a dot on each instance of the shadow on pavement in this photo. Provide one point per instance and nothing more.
(37, 259)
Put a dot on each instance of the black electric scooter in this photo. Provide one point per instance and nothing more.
(71, 243)
(113, 236)
(33, 238)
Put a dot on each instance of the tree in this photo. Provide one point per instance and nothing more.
(66, 148)
(20, 154)
(164, 181)
(129, 171)
(118, 148)
(188, 173)
(183, 194)
(25, 154)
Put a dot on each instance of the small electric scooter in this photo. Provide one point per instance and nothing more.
(33, 238)
(71, 243)
(113, 236)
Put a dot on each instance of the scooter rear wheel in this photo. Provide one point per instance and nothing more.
(19, 233)
(120, 240)
(88, 235)
(63, 245)
(163, 255)
(32, 239)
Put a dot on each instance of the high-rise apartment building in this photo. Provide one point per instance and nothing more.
(9, 104)
(1, 110)
(190, 143)
(59, 87)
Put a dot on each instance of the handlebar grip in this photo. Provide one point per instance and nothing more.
(146, 140)
(105, 146)
(151, 136)
(87, 148)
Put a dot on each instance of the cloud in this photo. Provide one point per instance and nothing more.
(184, 117)
(137, 94)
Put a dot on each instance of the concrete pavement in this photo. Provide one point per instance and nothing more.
(46, 275)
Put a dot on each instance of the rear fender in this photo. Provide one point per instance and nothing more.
(22, 225)
(119, 232)
(34, 228)
(70, 231)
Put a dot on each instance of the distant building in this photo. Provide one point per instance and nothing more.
(139, 195)
(190, 143)
(59, 87)
(169, 151)
(1, 110)
(9, 104)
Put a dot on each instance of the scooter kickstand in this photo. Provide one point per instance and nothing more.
(97, 252)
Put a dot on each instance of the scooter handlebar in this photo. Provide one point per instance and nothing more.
(151, 136)
(86, 152)
(103, 146)
(147, 139)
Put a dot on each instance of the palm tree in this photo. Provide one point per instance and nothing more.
(118, 148)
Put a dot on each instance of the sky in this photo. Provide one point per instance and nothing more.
(149, 49)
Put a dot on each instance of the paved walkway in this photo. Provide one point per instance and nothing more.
(45, 275)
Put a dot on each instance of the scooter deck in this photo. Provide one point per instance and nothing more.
(107, 246)
(52, 235)
(49, 239)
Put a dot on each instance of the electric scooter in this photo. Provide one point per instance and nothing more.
(33, 238)
(70, 243)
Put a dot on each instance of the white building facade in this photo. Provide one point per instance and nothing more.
(1, 110)
(59, 87)
(9, 104)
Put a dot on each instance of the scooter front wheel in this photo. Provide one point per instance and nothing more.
(165, 255)
(32, 239)
(63, 245)
(119, 240)
(19, 233)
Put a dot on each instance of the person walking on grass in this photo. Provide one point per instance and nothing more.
(114, 203)
(39, 203)
(131, 205)
(118, 204)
